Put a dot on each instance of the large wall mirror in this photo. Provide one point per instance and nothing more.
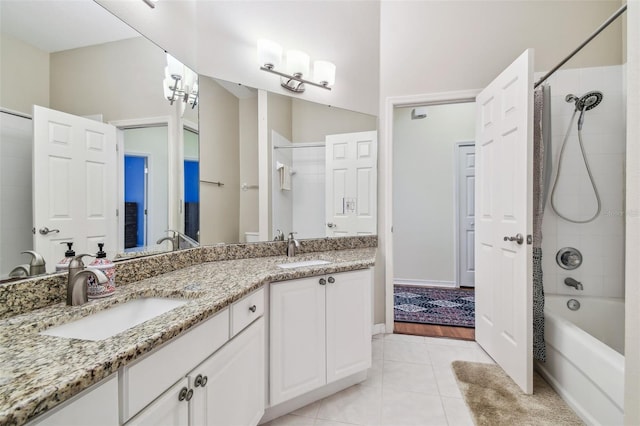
(78, 59)
(219, 179)
(259, 182)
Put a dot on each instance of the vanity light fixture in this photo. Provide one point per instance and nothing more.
(296, 67)
(180, 83)
(151, 3)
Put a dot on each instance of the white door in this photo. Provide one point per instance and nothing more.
(234, 386)
(351, 186)
(504, 140)
(297, 338)
(466, 156)
(74, 184)
(349, 323)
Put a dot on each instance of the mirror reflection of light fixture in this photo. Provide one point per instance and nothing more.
(180, 83)
(296, 67)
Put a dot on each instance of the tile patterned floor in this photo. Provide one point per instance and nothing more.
(409, 383)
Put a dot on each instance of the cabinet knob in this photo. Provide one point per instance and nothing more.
(332, 280)
(183, 394)
(198, 381)
(189, 395)
(252, 308)
(322, 281)
(205, 379)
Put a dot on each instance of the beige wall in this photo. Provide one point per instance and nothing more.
(219, 162)
(312, 121)
(249, 165)
(24, 75)
(423, 189)
(121, 80)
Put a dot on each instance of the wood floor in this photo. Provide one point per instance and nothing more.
(430, 330)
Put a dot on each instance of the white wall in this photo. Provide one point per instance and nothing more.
(15, 191)
(601, 242)
(424, 189)
(281, 199)
(632, 281)
(152, 142)
(219, 38)
(309, 192)
(249, 165)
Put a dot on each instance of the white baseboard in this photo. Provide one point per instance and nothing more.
(425, 283)
(378, 329)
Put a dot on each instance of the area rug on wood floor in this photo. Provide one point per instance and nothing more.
(494, 399)
(427, 305)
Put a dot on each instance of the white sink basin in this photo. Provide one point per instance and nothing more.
(302, 263)
(107, 323)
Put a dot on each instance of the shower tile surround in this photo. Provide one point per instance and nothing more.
(601, 241)
(210, 277)
(26, 295)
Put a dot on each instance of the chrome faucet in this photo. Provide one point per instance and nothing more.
(292, 245)
(37, 266)
(176, 239)
(77, 280)
(573, 283)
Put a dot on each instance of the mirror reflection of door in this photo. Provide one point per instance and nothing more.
(151, 144)
(191, 185)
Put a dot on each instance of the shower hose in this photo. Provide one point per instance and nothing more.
(586, 163)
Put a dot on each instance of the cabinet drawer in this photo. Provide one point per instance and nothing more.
(146, 379)
(247, 310)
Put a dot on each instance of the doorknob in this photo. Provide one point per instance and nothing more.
(45, 230)
(332, 225)
(519, 238)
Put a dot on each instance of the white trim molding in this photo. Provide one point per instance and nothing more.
(425, 283)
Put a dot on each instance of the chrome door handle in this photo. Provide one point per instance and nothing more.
(332, 225)
(45, 230)
(519, 238)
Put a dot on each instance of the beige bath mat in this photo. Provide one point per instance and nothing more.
(494, 399)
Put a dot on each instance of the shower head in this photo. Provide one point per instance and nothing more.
(589, 101)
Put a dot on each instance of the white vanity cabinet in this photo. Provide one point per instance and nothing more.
(229, 387)
(320, 331)
(98, 403)
(221, 381)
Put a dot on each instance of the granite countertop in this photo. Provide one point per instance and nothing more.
(38, 372)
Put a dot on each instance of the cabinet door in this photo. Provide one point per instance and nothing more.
(297, 333)
(97, 405)
(233, 392)
(348, 323)
(166, 410)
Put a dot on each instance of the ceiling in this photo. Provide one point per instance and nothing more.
(34, 21)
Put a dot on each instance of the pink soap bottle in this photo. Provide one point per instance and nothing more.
(96, 290)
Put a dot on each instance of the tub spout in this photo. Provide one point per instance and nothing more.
(573, 283)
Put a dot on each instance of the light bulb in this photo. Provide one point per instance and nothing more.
(297, 63)
(324, 72)
(269, 53)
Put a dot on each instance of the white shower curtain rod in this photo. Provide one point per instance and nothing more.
(606, 23)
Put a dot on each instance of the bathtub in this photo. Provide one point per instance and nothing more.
(585, 361)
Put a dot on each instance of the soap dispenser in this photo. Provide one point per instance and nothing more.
(63, 265)
(96, 290)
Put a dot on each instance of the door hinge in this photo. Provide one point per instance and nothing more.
(117, 212)
(529, 239)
